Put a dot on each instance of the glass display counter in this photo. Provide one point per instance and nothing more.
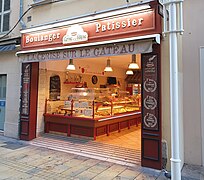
(94, 103)
(96, 108)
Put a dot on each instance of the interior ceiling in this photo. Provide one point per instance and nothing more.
(115, 61)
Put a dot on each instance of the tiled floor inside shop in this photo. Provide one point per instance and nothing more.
(122, 148)
(127, 138)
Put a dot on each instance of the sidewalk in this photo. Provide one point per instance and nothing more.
(20, 160)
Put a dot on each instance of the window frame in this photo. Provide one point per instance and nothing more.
(2, 13)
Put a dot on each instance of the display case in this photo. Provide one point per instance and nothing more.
(95, 103)
(92, 112)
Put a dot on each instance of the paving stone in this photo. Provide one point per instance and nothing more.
(3, 168)
(21, 176)
(60, 168)
(148, 173)
(62, 156)
(82, 158)
(86, 175)
(162, 177)
(128, 174)
(98, 168)
(74, 171)
(111, 172)
(117, 168)
(37, 163)
(73, 162)
(15, 165)
(34, 170)
(13, 145)
(40, 161)
(9, 174)
(36, 178)
(144, 176)
(192, 171)
(90, 162)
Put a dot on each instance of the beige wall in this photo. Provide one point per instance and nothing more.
(11, 67)
(165, 83)
(193, 38)
(68, 9)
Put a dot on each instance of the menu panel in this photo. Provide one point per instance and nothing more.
(25, 95)
(150, 92)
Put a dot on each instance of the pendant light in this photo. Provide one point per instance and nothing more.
(129, 72)
(133, 64)
(108, 68)
(71, 65)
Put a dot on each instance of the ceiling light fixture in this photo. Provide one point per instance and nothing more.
(129, 72)
(108, 68)
(133, 64)
(71, 65)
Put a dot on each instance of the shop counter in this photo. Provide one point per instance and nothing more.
(90, 127)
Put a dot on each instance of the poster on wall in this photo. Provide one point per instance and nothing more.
(25, 95)
(150, 93)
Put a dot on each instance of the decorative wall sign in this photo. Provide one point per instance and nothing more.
(150, 85)
(94, 79)
(150, 120)
(150, 102)
(150, 92)
(25, 95)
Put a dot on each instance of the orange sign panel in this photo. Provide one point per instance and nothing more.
(125, 25)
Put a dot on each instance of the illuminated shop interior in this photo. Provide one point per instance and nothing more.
(97, 90)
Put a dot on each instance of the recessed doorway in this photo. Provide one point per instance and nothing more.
(2, 100)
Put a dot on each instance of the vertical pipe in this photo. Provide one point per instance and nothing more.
(164, 20)
(175, 159)
(23, 26)
(181, 17)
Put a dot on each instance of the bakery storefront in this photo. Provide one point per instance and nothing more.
(94, 76)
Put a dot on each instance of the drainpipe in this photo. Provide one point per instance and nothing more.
(23, 25)
(175, 8)
(174, 91)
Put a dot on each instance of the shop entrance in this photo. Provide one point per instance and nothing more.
(87, 102)
(100, 108)
(2, 100)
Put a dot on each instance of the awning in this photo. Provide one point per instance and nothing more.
(9, 47)
(135, 45)
(9, 44)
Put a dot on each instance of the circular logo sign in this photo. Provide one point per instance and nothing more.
(150, 85)
(150, 103)
(150, 120)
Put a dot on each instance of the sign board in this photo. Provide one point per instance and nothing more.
(150, 93)
(124, 25)
(2, 103)
(25, 95)
(132, 47)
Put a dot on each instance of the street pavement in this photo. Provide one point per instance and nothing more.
(20, 160)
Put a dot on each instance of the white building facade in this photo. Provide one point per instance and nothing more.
(193, 42)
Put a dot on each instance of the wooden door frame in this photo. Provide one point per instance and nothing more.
(152, 157)
(28, 120)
